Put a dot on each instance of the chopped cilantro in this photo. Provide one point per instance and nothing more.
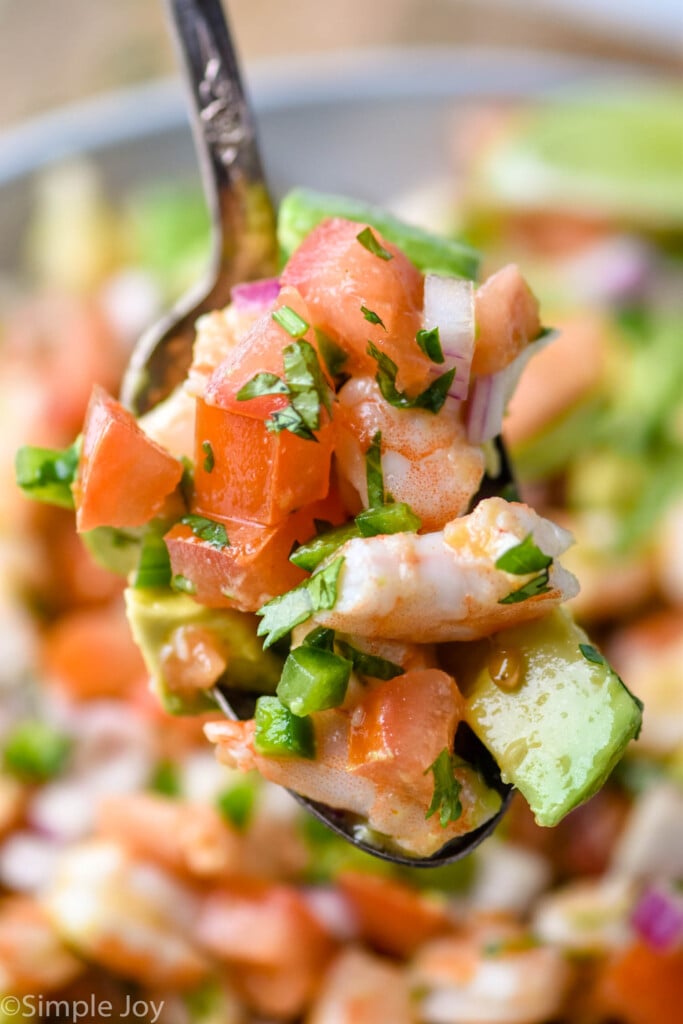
(208, 530)
(432, 398)
(209, 458)
(304, 383)
(372, 317)
(166, 779)
(183, 584)
(369, 664)
(592, 654)
(430, 344)
(397, 517)
(369, 241)
(290, 419)
(320, 637)
(46, 474)
(323, 586)
(523, 558)
(283, 613)
(309, 555)
(536, 586)
(446, 797)
(333, 355)
(290, 320)
(260, 385)
(373, 471)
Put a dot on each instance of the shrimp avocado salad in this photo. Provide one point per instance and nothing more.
(311, 517)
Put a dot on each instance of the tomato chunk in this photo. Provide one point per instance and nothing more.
(639, 985)
(337, 275)
(123, 476)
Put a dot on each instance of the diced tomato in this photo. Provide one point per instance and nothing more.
(336, 275)
(90, 654)
(123, 476)
(402, 725)
(641, 986)
(506, 315)
(255, 565)
(393, 917)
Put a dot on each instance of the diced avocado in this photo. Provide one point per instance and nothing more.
(556, 718)
(279, 733)
(116, 550)
(155, 614)
(303, 209)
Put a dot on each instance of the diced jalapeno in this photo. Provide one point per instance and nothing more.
(279, 733)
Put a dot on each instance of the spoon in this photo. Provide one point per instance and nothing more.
(245, 248)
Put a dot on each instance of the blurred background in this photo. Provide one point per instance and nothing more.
(56, 52)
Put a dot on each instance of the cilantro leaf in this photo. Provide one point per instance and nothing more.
(289, 419)
(430, 344)
(446, 797)
(431, 399)
(290, 320)
(46, 474)
(323, 586)
(537, 585)
(370, 242)
(209, 458)
(372, 317)
(523, 558)
(369, 664)
(208, 530)
(283, 613)
(373, 471)
(183, 584)
(592, 654)
(333, 355)
(262, 384)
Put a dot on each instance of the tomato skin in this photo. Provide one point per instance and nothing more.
(124, 478)
(336, 275)
(255, 566)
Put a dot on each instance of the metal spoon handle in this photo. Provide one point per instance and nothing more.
(226, 142)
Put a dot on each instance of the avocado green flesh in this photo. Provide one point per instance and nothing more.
(155, 614)
(559, 733)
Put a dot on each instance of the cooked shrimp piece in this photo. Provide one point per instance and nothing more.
(33, 957)
(131, 918)
(506, 315)
(427, 461)
(270, 936)
(361, 988)
(488, 982)
(445, 586)
(373, 759)
(190, 839)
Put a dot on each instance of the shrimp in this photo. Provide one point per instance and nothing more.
(191, 840)
(445, 586)
(361, 988)
(426, 460)
(131, 918)
(475, 979)
(373, 759)
(33, 957)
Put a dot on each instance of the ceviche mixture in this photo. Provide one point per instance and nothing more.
(316, 522)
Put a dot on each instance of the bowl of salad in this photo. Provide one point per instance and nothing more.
(209, 895)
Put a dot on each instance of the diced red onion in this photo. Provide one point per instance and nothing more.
(614, 268)
(253, 296)
(492, 392)
(449, 305)
(658, 918)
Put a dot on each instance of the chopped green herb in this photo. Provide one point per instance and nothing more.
(187, 479)
(431, 399)
(290, 419)
(369, 664)
(260, 385)
(321, 637)
(303, 373)
(369, 241)
(208, 530)
(313, 679)
(165, 779)
(373, 471)
(333, 355)
(46, 474)
(154, 566)
(446, 797)
(308, 556)
(288, 318)
(209, 458)
(538, 585)
(395, 518)
(430, 343)
(283, 613)
(592, 654)
(372, 317)
(523, 558)
(35, 751)
(279, 733)
(236, 804)
(183, 584)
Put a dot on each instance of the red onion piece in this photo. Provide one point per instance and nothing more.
(658, 918)
(253, 296)
(449, 305)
